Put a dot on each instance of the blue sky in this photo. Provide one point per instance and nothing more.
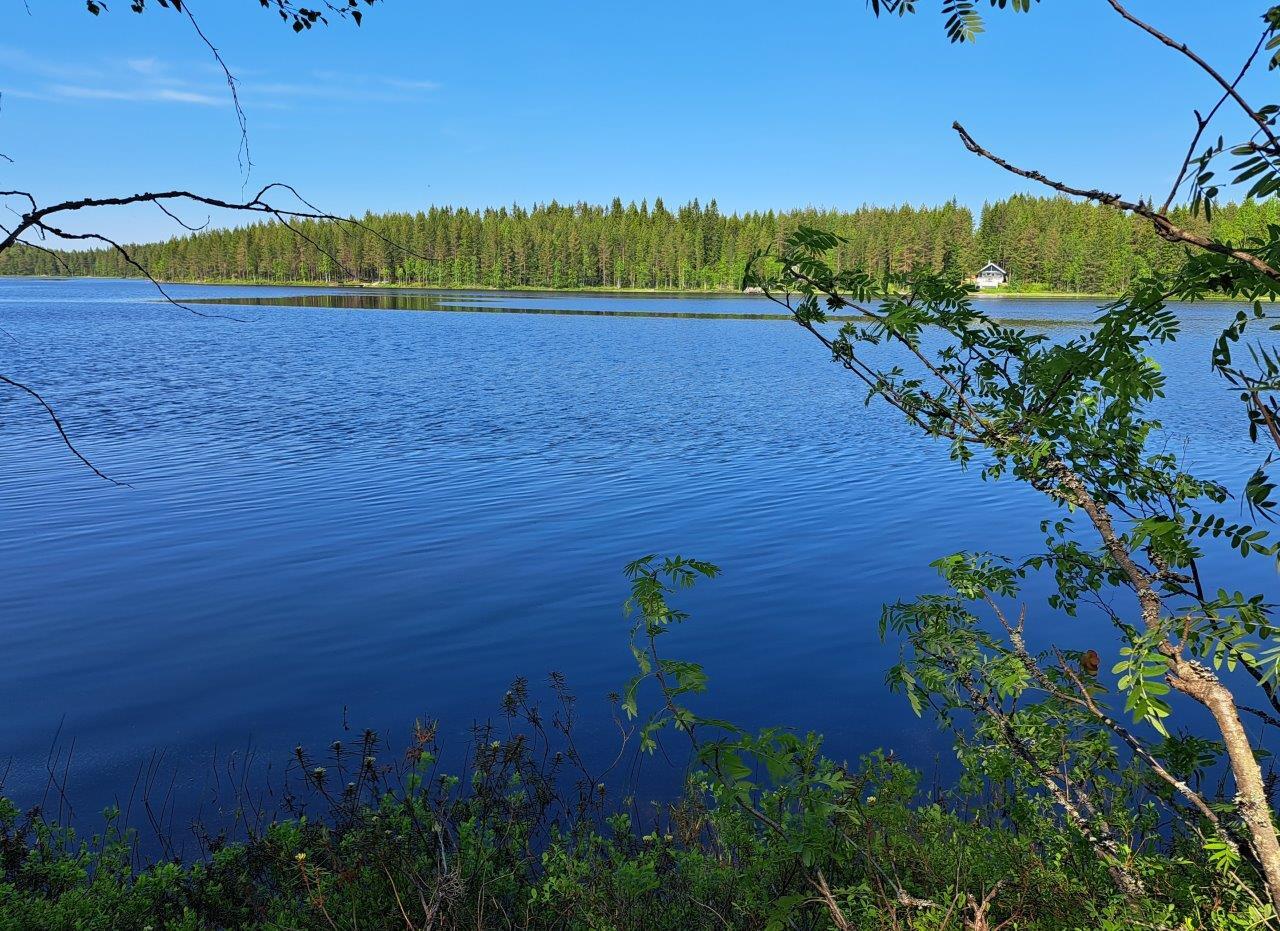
(760, 105)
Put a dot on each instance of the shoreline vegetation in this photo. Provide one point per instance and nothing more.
(410, 288)
(526, 835)
(1050, 246)
(601, 290)
(525, 832)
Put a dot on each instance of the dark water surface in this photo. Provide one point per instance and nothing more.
(394, 513)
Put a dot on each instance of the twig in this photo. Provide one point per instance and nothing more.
(57, 423)
(128, 257)
(1202, 123)
(1263, 123)
(243, 156)
(1164, 227)
(833, 907)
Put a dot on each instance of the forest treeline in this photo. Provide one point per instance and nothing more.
(1045, 244)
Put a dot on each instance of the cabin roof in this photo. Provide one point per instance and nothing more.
(992, 267)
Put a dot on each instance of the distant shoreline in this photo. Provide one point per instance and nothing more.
(988, 294)
(396, 286)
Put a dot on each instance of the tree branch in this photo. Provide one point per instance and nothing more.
(1229, 87)
(57, 422)
(125, 254)
(1202, 123)
(1165, 227)
(243, 157)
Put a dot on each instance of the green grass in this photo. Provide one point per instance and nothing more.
(528, 838)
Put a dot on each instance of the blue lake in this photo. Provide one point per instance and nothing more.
(370, 515)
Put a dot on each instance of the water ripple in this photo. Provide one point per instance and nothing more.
(396, 512)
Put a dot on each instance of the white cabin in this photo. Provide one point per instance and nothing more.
(991, 276)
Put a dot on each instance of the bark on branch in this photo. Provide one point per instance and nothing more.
(1164, 227)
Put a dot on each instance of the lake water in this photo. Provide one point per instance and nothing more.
(346, 513)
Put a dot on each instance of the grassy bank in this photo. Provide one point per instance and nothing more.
(423, 856)
(527, 836)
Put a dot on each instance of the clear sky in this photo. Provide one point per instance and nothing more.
(759, 105)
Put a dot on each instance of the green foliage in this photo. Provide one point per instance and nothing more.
(498, 847)
(962, 18)
(1070, 418)
(870, 837)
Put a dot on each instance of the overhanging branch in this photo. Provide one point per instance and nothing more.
(1164, 227)
(57, 422)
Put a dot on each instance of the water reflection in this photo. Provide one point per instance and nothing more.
(746, 307)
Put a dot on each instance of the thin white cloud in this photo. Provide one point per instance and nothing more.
(23, 61)
(137, 95)
(414, 85)
(339, 86)
(283, 93)
(23, 95)
(154, 80)
(146, 65)
(177, 96)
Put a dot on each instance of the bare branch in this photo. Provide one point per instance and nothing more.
(243, 156)
(1264, 124)
(57, 422)
(125, 254)
(1202, 123)
(2, 155)
(315, 245)
(27, 194)
(50, 252)
(181, 222)
(256, 204)
(37, 219)
(1165, 227)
